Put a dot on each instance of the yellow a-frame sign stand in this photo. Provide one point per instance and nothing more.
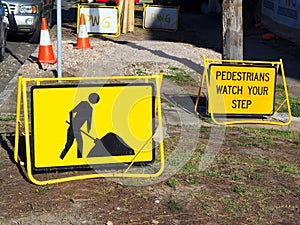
(243, 92)
(137, 101)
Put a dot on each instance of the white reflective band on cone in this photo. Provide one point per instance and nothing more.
(82, 32)
(45, 38)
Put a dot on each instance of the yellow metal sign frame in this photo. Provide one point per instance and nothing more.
(242, 118)
(160, 6)
(22, 100)
(110, 124)
(95, 5)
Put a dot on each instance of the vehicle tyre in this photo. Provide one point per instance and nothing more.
(3, 42)
(35, 36)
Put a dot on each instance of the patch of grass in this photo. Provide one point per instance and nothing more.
(244, 142)
(275, 133)
(295, 107)
(227, 159)
(298, 190)
(257, 138)
(189, 168)
(180, 76)
(140, 72)
(206, 119)
(215, 172)
(257, 160)
(192, 180)
(238, 189)
(192, 166)
(255, 175)
(4, 220)
(258, 189)
(265, 138)
(284, 190)
(294, 102)
(285, 167)
(234, 177)
(42, 189)
(208, 207)
(7, 118)
(201, 146)
(172, 182)
(279, 87)
(232, 206)
(277, 166)
(172, 205)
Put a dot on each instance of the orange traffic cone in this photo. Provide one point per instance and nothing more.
(46, 54)
(83, 39)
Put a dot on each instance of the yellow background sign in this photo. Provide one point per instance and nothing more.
(235, 89)
(92, 125)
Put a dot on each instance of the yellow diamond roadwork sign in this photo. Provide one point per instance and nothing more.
(241, 89)
(90, 125)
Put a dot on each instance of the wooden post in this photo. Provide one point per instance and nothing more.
(121, 4)
(232, 20)
(125, 17)
(131, 16)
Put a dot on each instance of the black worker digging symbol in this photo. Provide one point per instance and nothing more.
(109, 145)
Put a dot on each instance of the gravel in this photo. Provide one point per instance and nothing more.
(108, 58)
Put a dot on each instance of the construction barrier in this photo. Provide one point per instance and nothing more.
(240, 91)
(94, 126)
(160, 17)
(100, 20)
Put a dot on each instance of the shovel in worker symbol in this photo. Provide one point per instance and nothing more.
(109, 145)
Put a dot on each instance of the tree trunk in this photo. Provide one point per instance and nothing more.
(232, 20)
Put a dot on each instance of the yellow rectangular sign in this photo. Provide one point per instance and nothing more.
(92, 125)
(241, 89)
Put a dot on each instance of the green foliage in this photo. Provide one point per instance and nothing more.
(140, 72)
(172, 182)
(286, 168)
(180, 76)
(7, 118)
(294, 102)
(172, 205)
(295, 107)
(214, 173)
(42, 189)
(192, 180)
(234, 177)
(238, 189)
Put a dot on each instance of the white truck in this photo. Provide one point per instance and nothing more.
(27, 16)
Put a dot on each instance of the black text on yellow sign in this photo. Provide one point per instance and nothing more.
(238, 89)
(91, 125)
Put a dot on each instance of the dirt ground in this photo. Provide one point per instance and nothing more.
(252, 177)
